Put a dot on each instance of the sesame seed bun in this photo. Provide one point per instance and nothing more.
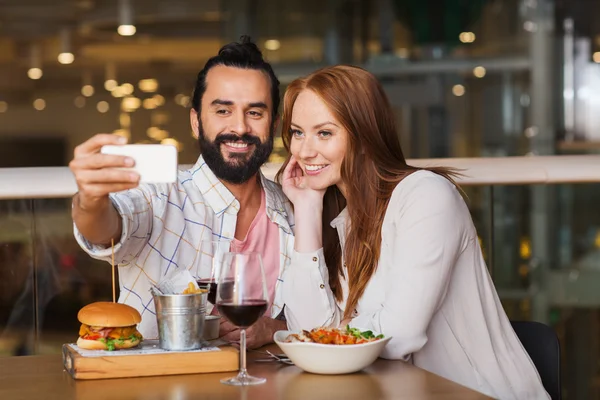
(110, 315)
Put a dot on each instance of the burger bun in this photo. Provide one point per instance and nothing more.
(109, 315)
(98, 345)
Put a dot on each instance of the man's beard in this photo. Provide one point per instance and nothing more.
(241, 166)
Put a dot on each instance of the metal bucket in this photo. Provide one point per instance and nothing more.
(180, 319)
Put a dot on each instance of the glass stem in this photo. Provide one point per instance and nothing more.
(243, 353)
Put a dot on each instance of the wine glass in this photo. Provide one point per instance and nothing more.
(242, 298)
(210, 258)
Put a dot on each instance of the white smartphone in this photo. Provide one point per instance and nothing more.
(156, 163)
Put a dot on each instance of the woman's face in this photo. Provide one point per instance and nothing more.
(319, 141)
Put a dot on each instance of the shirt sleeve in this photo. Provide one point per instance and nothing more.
(137, 208)
(428, 228)
(309, 302)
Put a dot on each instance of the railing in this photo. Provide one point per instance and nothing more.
(56, 182)
(509, 199)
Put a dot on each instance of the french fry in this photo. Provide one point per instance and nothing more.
(192, 290)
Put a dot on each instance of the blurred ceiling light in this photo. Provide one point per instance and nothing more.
(110, 77)
(35, 73)
(126, 27)
(35, 62)
(127, 88)
(157, 134)
(117, 92)
(159, 118)
(458, 90)
(39, 104)
(151, 132)
(479, 72)
(87, 90)
(66, 58)
(172, 142)
(3, 106)
(66, 55)
(466, 37)
(123, 133)
(110, 85)
(148, 85)
(272, 44)
(79, 102)
(130, 104)
(102, 106)
(125, 120)
(149, 104)
(182, 100)
(596, 57)
(158, 99)
(126, 30)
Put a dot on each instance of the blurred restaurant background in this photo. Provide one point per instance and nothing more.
(466, 78)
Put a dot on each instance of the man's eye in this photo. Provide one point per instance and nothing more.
(222, 111)
(255, 113)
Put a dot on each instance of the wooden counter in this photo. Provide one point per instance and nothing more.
(43, 378)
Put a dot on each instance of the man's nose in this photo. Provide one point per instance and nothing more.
(240, 124)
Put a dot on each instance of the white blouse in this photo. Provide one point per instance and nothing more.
(431, 292)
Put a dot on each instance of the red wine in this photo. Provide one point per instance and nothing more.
(211, 284)
(243, 314)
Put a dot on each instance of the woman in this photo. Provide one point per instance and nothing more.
(384, 246)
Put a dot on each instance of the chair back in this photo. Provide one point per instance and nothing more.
(542, 345)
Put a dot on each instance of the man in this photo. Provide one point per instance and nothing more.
(157, 227)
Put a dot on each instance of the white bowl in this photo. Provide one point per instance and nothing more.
(329, 358)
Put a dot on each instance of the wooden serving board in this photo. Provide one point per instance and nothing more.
(147, 360)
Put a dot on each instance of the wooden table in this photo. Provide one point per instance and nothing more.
(43, 378)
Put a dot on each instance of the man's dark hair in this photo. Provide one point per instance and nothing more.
(244, 54)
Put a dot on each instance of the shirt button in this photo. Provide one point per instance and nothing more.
(322, 286)
(315, 259)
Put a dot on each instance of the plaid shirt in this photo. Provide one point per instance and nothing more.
(163, 225)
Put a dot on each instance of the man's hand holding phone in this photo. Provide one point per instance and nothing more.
(106, 164)
(99, 174)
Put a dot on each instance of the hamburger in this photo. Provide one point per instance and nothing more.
(108, 326)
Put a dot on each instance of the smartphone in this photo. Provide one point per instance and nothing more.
(156, 163)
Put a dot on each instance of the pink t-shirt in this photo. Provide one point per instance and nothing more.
(262, 238)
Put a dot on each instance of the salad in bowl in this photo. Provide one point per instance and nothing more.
(331, 350)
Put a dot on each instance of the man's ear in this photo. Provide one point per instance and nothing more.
(194, 122)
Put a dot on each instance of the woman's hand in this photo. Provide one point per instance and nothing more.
(295, 187)
(308, 208)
